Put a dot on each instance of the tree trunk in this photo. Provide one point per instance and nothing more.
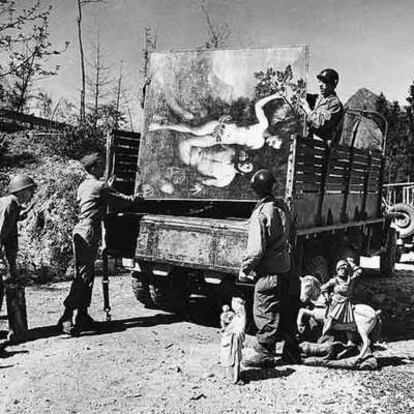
(82, 96)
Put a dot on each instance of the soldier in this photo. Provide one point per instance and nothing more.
(268, 254)
(325, 119)
(20, 191)
(93, 197)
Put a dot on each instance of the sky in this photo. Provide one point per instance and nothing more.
(369, 42)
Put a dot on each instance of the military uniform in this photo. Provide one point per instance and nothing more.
(93, 197)
(9, 215)
(325, 120)
(268, 254)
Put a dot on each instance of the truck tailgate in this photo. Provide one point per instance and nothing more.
(204, 243)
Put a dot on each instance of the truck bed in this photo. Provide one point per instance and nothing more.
(203, 243)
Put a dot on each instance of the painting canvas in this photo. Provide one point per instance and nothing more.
(215, 117)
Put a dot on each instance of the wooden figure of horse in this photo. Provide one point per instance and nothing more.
(367, 320)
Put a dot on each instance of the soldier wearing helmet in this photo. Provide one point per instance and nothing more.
(20, 191)
(325, 118)
(93, 197)
(268, 255)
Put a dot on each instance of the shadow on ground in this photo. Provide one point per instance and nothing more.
(393, 361)
(102, 328)
(251, 375)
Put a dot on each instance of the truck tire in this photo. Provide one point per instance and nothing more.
(389, 254)
(140, 288)
(160, 295)
(169, 293)
(317, 266)
(405, 223)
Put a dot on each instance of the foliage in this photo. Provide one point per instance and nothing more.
(273, 81)
(72, 143)
(24, 35)
(107, 117)
(397, 151)
(410, 115)
(45, 247)
(66, 112)
(218, 34)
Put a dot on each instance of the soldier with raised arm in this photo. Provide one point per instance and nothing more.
(93, 197)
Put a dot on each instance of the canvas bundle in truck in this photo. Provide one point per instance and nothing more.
(213, 118)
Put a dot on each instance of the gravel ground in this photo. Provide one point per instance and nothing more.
(148, 361)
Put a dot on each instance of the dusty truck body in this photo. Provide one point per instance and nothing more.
(190, 233)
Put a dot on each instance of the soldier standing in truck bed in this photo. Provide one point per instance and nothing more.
(268, 254)
(93, 197)
(326, 117)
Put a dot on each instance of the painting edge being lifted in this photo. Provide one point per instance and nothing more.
(214, 117)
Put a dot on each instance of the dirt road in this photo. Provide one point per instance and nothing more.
(148, 361)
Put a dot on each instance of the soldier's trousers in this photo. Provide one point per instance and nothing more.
(81, 289)
(271, 310)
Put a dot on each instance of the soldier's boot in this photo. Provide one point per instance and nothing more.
(83, 321)
(263, 357)
(291, 352)
(65, 323)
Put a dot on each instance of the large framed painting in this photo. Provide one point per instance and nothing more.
(215, 117)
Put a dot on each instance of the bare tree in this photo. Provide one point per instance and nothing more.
(218, 34)
(118, 95)
(44, 104)
(82, 61)
(99, 82)
(25, 46)
(149, 46)
(80, 3)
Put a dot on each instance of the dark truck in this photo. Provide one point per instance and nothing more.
(180, 246)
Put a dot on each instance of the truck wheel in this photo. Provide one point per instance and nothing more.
(160, 295)
(405, 222)
(141, 290)
(317, 266)
(169, 293)
(389, 254)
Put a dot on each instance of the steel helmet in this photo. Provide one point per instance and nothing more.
(262, 182)
(329, 76)
(20, 182)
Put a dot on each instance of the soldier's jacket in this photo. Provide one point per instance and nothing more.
(93, 197)
(9, 215)
(268, 238)
(325, 119)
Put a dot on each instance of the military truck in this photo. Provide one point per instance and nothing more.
(189, 235)
(399, 202)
